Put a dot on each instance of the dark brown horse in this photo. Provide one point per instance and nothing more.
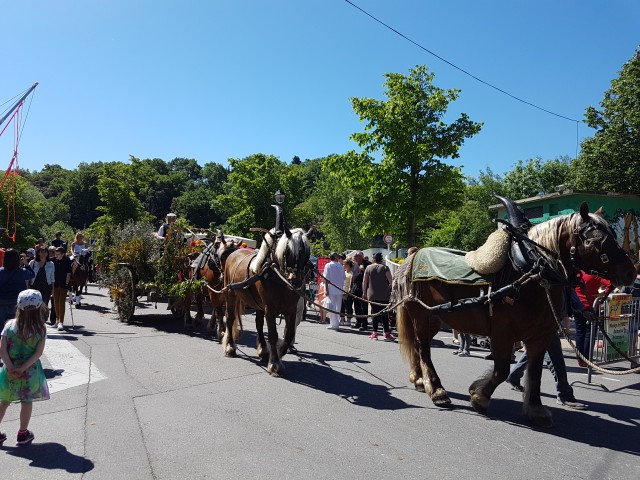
(210, 268)
(566, 245)
(271, 281)
(81, 265)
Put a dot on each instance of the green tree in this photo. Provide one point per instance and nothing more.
(535, 176)
(609, 160)
(408, 130)
(467, 227)
(249, 192)
(116, 184)
(21, 212)
(329, 203)
(81, 195)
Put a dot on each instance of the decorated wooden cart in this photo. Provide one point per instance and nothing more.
(142, 265)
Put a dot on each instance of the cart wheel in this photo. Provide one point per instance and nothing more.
(125, 299)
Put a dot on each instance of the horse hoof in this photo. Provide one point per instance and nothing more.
(275, 369)
(230, 352)
(440, 398)
(539, 416)
(480, 403)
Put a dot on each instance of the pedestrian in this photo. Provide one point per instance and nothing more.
(334, 280)
(44, 272)
(360, 306)
(554, 359)
(464, 342)
(22, 378)
(58, 242)
(376, 286)
(587, 293)
(61, 285)
(321, 300)
(347, 300)
(52, 255)
(14, 276)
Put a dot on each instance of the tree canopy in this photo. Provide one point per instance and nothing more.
(610, 160)
(411, 182)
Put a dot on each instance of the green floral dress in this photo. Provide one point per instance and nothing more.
(32, 384)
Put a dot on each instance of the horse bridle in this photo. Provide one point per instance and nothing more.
(588, 233)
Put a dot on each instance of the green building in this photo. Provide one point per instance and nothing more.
(622, 211)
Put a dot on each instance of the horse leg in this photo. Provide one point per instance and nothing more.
(289, 333)
(275, 366)
(425, 331)
(228, 342)
(188, 322)
(200, 312)
(482, 389)
(532, 406)
(261, 345)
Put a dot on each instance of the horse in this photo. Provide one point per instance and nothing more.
(81, 264)
(271, 281)
(564, 246)
(209, 267)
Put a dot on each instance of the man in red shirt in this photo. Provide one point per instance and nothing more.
(587, 293)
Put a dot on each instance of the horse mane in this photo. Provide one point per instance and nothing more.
(548, 233)
(295, 241)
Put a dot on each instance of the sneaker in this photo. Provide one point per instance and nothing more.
(25, 437)
(388, 337)
(464, 353)
(3, 437)
(516, 387)
(456, 352)
(581, 363)
(60, 327)
(373, 336)
(333, 328)
(571, 403)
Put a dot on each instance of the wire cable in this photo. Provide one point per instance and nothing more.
(459, 68)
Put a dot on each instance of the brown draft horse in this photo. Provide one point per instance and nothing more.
(579, 241)
(211, 268)
(257, 280)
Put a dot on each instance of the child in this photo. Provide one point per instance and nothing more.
(22, 377)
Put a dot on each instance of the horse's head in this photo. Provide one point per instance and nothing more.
(594, 249)
(292, 254)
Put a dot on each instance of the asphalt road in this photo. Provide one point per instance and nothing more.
(151, 401)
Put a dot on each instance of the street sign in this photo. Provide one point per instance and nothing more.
(388, 238)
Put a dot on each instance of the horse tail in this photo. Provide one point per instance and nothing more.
(401, 287)
(406, 333)
(237, 324)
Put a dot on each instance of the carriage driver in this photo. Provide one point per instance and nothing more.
(164, 228)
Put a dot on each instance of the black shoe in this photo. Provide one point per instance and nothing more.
(516, 386)
(24, 438)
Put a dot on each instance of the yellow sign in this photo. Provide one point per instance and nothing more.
(619, 304)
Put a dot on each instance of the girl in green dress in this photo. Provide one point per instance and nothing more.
(21, 345)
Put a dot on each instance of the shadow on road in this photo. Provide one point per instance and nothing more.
(319, 375)
(51, 456)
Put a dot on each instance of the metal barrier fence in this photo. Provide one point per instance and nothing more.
(621, 321)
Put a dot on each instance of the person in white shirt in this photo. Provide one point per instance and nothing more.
(334, 280)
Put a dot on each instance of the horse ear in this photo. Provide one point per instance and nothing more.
(599, 212)
(584, 211)
(311, 231)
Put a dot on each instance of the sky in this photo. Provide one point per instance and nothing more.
(213, 80)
